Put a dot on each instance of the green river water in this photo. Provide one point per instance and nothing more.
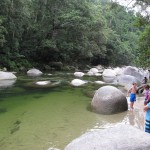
(48, 118)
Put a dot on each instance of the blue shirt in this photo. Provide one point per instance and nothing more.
(148, 112)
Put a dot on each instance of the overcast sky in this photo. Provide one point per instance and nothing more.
(129, 4)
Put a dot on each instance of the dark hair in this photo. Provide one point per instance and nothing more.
(147, 86)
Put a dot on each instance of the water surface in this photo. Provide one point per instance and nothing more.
(43, 118)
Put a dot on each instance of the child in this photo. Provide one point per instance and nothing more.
(132, 92)
(147, 93)
(144, 80)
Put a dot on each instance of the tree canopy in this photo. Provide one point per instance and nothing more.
(35, 33)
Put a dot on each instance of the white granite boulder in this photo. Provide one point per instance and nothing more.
(79, 74)
(127, 79)
(34, 72)
(7, 75)
(109, 100)
(120, 137)
(109, 75)
(93, 72)
(78, 82)
(133, 71)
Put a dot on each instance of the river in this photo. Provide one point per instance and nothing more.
(45, 118)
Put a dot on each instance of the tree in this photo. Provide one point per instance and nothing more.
(3, 32)
(143, 23)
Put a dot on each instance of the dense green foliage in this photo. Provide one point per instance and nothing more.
(48, 33)
(143, 22)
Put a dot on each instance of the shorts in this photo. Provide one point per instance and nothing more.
(132, 97)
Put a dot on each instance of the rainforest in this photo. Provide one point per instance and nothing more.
(72, 34)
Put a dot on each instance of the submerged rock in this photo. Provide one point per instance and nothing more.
(43, 84)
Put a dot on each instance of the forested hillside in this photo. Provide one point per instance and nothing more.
(62, 34)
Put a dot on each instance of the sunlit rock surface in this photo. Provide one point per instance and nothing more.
(77, 82)
(109, 75)
(118, 70)
(6, 75)
(42, 82)
(120, 137)
(133, 71)
(79, 74)
(99, 82)
(109, 100)
(93, 72)
(127, 79)
(34, 72)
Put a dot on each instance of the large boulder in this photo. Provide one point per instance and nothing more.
(127, 79)
(121, 137)
(7, 75)
(109, 75)
(133, 71)
(34, 72)
(109, 100)
(118, 70)
(146, 74)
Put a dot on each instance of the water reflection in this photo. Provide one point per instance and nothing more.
(7, 83)
(53, 117)
(134, 118)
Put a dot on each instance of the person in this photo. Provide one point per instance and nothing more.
(144, 80)
(132, 92)
(146, 93)
(147, 115)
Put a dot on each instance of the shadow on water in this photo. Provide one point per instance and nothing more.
(16, 126)
(3, 110)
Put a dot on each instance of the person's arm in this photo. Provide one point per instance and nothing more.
(129, 91)
(146, 107)
(148, 99)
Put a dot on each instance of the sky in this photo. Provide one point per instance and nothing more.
(126, 2)
(129, 4)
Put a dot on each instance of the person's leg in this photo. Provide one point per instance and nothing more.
(131, 105)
